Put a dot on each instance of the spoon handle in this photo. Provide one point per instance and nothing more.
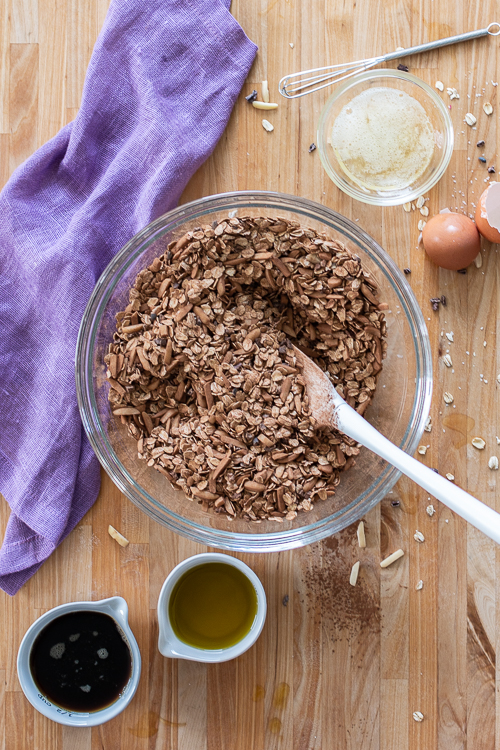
(475, 512)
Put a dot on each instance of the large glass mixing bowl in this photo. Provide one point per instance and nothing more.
(399, 409)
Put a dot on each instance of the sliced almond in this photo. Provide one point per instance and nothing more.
(264, 105)
(392, 558)
(114, 534)
(265, 91)
(361, 534)
(354, 574)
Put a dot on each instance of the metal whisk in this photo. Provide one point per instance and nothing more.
(294, 85)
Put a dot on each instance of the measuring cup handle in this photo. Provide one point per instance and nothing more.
(443, 42)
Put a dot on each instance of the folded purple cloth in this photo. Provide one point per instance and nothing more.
(160, 87)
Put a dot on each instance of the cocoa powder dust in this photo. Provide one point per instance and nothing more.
(344, 608)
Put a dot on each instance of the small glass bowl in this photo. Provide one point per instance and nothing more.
(436, 112)
(399, 409)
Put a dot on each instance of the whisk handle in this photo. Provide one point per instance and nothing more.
(492, 28)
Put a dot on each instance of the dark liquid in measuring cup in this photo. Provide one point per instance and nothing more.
(80, 661)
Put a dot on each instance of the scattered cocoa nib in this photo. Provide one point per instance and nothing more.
(491, 170)
(404, 68)
(480, 144)
(286, 599)
(251, 97)
(443, 300)
(407, 271)
(211, 390)
(435, 302)
(312, 147)
(462, 270)
(395, 503)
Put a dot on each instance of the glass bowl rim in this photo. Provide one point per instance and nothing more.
(264, 542)
(351, 190)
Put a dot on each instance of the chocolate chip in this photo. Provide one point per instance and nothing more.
(286, 599)
(312, 147)
(395, 503)
(491, 170)
(480, 144)
(443, 300)
(404, 68)
(462, 270)
(407, 271)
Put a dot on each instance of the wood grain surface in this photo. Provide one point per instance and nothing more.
(316, 679)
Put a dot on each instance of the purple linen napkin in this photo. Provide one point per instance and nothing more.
(160, 87)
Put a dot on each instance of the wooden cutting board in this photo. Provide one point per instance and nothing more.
(336, 667)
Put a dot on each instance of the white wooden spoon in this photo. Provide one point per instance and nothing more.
(330, 410)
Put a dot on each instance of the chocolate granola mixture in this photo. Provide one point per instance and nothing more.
(202, 370)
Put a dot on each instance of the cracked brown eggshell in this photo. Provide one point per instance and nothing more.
(451, 240)
(488, 213)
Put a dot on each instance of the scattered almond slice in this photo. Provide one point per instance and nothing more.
(361, 534)
(114, 534)
(264, 105)
(392, 558)
(354, 574)
(265, 91)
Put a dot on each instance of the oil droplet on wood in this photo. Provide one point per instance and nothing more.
(258, 693)
(147, 726)
(281, 695)
(275, 725)
(460, 423)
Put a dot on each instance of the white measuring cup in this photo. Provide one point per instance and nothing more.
(116, 607)
(172, 647)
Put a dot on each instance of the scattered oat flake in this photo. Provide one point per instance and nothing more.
(449, 336)
(448, 398)
(419, 586)
(361, 534)
(439, 85)
(453, 93)
(430, 510)
(428, 424)
(447, 360)
(421, 224)
(418, 536)
(478, 443)
(493, 463)
(407, 207)
(420, 201)
(354, 574)
(470, 119)
(487, 107)
(418, 716)
(478, 260)
(392, 558)
(267, 126)
(424, 211)
(451, 477)
(422, 449)
(292, 45)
